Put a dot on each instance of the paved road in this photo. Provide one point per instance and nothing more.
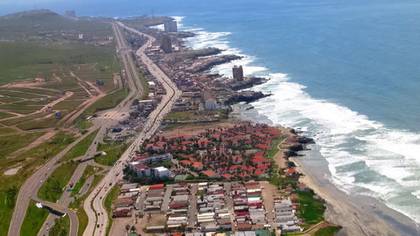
(166, 198)
(98, 217)
(33, 183)
(107, 120)
(31, 186)
(66, 197)
(192, 210)
(74, 221)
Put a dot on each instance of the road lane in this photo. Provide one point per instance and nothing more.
(98, 217)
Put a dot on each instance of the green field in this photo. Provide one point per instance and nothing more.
(42, 44)
(145, 85)
(113, 152)
(274, 147)
(21, 109)
(81, 148)
(19, 120)
(109, 101)
(34, 219)
(39, 123)
(13, 142)
(39, 60)
(89, 171)
(29, 161)
(82, 124)
(327, 231)
(77, 204)
(24, 60)
(61, 227)
(45, 45)
(311, 210)
(112, 195)
(56, 184)
(185, 116)
(30, 25)
(180, 115)
(5, 115)
(6, 131)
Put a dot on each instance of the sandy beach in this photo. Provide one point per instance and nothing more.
(358, 215)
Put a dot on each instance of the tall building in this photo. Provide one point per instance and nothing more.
(238, 73)
(170, 26)
(210, 102)
(166, 44)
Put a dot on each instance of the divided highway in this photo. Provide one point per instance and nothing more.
(29, 189)
(97, 214)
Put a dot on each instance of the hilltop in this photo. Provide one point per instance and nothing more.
(34, 14)
(30, 25)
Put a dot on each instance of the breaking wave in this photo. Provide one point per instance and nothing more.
(363, 155)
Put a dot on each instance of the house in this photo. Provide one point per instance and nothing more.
(197, 165)
(209, 173)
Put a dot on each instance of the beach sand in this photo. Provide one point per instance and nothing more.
(357, 214)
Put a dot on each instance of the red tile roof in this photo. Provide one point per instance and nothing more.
(209, 173)
(197, 165)
(227, 176)
(262, 146)
(185, 162)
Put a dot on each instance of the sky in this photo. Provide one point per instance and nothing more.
(87, 7)
(10, 6)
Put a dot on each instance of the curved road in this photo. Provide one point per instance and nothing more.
(29, 189)
(97, 214)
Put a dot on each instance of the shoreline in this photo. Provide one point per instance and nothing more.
(357, 214)
(368, 215)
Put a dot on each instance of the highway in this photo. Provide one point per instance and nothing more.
(31, 186)
(97, 214)
(29, 189)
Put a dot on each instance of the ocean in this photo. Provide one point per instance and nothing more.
(345, 72)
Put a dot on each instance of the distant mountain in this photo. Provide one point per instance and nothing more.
(39, 23)
(35, 14)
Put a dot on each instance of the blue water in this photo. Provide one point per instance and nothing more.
(345, 71)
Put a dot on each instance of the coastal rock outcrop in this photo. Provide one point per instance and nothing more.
(247, 83)
(208, 63)
(245, 96)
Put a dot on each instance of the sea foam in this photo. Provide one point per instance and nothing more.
(364, 156)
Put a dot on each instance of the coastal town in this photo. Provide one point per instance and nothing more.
(162, 153)
(187, 118)
(206, 173)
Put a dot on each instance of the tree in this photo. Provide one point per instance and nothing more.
(10, 196)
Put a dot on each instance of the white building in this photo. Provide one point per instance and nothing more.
(210, 102)
(162, 172)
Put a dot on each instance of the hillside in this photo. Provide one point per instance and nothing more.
(42, 24)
